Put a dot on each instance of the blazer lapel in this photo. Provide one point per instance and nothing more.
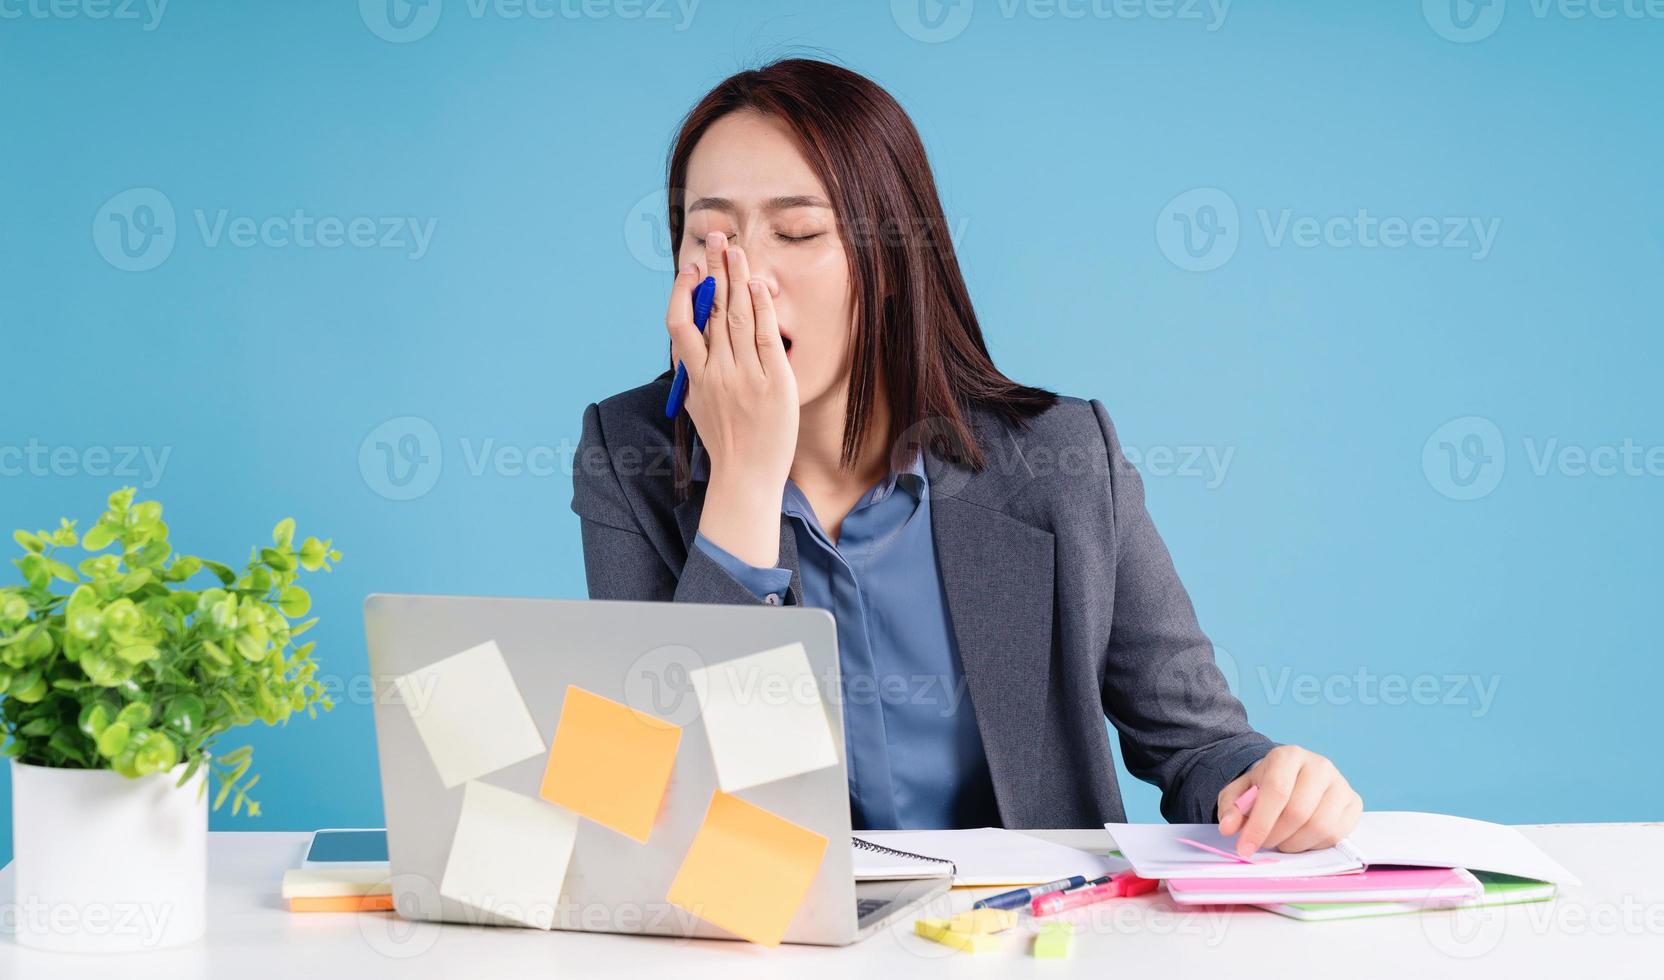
(997, 572)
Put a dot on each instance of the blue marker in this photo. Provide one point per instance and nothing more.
(1023, 896)
(704, 295)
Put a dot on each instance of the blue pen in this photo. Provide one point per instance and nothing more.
(1022, 896)
(704, 295)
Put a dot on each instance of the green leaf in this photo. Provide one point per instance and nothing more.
(225, 790)
(284, 534)
(27, 541)
(65, 742)
(252, 650)
(101, 536)
(313, 553)
(278, 560)
(39, 727)
(28, 687)
(156, 753)
(95, 717)
(135, 580)
(215, 653)
(224, 573)
(295, 602)
(35, 570)
(138, 653)
(134, 715)
(113, 739)
(184, 714)
(303, 627)
(190, 770)
(61, 571)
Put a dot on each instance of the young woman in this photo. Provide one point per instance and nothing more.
(847, 443)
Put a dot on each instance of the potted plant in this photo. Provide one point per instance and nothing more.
(116, 678)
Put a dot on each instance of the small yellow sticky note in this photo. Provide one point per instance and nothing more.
(748, 870)
(610, 762)
(937, 930)
(1055, 941)
(983, 921)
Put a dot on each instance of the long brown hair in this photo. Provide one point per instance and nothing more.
(914, 321)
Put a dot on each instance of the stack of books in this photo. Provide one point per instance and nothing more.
(1393, 863)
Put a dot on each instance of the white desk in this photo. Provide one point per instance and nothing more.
(1612, 927)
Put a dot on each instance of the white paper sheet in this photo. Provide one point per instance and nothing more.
(1155, 852)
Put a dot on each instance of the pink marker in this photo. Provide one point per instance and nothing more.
(1256, 859)
(1245, 802)
(1124, 885)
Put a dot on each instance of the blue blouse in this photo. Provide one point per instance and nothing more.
(915, 754)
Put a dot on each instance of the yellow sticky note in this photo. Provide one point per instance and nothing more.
(983, 921)
(1055, 941)
(937, 930)
(610, 762)
(748, 870)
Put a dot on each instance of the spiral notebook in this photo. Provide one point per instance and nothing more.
(984, 856)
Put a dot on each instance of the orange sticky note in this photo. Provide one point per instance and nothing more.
(748, 870)
(610, 762)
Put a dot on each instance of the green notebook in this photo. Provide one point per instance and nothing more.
(1499, 890)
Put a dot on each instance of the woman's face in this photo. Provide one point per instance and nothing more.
(747, 181)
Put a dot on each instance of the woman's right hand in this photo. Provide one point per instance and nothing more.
(742, 397)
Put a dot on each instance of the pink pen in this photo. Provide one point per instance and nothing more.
(1257, 859)
(1245, 802)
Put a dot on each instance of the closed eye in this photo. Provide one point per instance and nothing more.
(785, 238)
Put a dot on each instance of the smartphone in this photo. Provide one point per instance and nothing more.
(335, 848)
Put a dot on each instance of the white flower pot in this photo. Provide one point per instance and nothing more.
(107, 864)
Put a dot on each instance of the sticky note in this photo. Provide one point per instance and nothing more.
(469, 714)
(748, 870)
(509, 855)
(610, 762)
(336, 882)
(1055, 941)
(764, 717)
(983, 921)
(347, 903)
(937, 930)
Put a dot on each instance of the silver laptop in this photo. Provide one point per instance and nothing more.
(640, 654)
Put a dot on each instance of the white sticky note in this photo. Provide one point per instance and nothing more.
(764, 717)
(509, 855)
(470, 714)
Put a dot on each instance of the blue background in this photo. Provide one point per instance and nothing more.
(1329, 544)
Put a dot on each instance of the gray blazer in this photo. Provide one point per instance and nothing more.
(1065, 603)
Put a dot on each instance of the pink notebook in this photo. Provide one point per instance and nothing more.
(1429, 886)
